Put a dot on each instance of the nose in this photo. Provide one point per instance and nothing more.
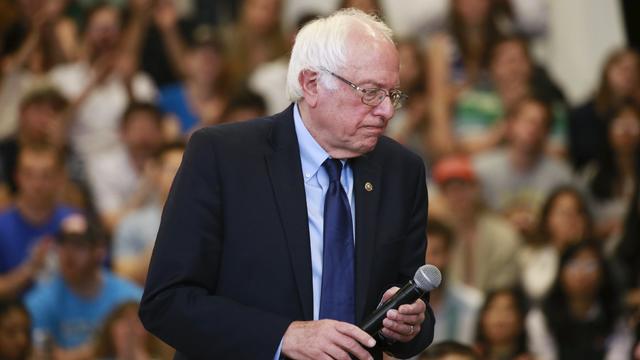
(385, 109)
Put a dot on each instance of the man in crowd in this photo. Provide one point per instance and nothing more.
(27, 227)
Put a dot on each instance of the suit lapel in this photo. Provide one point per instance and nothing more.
(285, 172)
(367, 191)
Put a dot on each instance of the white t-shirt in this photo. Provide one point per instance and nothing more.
(97, 120)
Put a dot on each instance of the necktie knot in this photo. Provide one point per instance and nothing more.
(333, 167)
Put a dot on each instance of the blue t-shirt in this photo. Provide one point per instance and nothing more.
(173, 99)
(17, 236)
(70, 320)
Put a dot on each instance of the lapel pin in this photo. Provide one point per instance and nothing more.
(368, 186)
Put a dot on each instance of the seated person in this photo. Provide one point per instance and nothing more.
(69, 309)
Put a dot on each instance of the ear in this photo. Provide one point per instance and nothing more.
(309, 83)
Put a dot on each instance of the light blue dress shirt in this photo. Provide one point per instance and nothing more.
(316, 184)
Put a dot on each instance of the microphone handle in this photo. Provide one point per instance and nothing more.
(406, 295)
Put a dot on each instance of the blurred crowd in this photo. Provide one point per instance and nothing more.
(534, 213)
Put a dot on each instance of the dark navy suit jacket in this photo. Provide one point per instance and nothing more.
(231, 267)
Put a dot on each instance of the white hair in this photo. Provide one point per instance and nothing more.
(323, 44)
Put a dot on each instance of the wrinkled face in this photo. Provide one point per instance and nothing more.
(15, 339)
(437, 252)
(510, 63)
(262, 15)
(528, 128)
(581, 275)
(38, 176)
(623, 77)
(501, 321)
(566, 222)
(142, 134)
(473, 12)
(624, 132)
(341, 123)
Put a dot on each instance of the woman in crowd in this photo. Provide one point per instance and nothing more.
(611, 179)
(564, 220)
(579, 319)
(501, 334)
(619, 82)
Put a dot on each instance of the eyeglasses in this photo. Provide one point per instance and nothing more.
(375, 96)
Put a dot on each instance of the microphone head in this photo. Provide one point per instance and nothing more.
(427, 278)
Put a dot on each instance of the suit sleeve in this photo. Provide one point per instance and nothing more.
(180, 304)
(413, 255)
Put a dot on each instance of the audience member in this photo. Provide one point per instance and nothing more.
(117, 176)
(449, 350)
(611, 178)
(410, 126)
(40, 122)
(15, 331)
(484, 253)
(619, 82)
(479, 111)
(123, 337)
(454, 304)
(40, 38)
(100, 84)
(517, 177)
(254, 39)
(501, 328)
(627, 256)
(580, 319)
(269, 79)
(244, 105)
(26, 229)
(136, 233)
(564, 220)
(202, 97)
(68, 309)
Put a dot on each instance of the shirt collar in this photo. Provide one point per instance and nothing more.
(312, 155)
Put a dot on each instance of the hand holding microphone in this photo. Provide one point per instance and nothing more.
(400, 315)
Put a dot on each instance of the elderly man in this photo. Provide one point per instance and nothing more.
(282, 233)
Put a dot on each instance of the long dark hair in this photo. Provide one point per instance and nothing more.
(491, 31)
(542, 234)
(556, 307)
(604, 182)
(521, 307)
(604, 99)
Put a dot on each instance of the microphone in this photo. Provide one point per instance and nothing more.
(427, 278)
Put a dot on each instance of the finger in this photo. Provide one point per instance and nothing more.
(412, 319)
(353, 347)
(404, 335)
(389, 293)
(399, 327)
(418, 307)
(334, 351)
(355, 333)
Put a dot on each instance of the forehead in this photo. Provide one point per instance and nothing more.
(371, 58)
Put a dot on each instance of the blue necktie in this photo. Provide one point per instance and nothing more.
(337, 300)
